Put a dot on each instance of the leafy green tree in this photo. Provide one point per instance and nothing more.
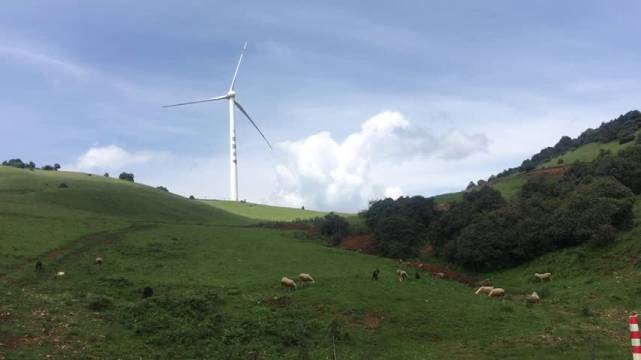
(126, 176)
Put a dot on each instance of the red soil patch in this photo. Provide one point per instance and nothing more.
(361, 243)
(448, 274)
(372, 320)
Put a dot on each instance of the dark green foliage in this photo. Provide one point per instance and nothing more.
(162, 188)
(399, 237)
(126, 176)
(19, 164)
(50, 168)
(332, 225)
(191, 197)
(99, 302)
(63, 186)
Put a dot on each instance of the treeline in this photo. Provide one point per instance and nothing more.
(622, 129)
(17, 163)
(588, 205)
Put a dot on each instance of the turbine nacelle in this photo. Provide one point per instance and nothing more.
(231, 94)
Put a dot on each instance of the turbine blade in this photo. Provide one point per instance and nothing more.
(253, 123)
(198, 101)
(233, 80)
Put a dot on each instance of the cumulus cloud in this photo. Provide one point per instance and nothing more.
(111, 157)
(319, 171)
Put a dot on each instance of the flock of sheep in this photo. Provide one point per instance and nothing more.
(497, 292)
(291, 284)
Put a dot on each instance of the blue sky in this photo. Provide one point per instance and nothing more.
(362, 99)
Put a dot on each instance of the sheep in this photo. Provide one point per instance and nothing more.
(533, 298)
(402, 275)
(38, 266)
(545, 276)
(305, 278)
(375, 274)
(484, 290)
(288, 283)
(98, 261)
(497, 292)
(438, 275)
(147, 292)
(60, 273)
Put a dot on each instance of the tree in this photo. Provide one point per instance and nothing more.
(106, 175)
(56, 166)
(162, 188)
(399, 237)
(126, 176)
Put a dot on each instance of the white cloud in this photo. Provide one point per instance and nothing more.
(43, 60)
(320, 172)
(111, 157)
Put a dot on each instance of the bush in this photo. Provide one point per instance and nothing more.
(398, 237)
(191, 197)
(333, 226)
(162, 188)
(63, 186)
(106, 175)
(126, 176)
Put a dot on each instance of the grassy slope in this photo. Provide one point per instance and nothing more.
(264, 212)
(196, 249)
(585, 153)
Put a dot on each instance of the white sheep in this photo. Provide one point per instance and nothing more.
(98, 261)
(533, 298)
(402, 275)
(439, 275)
(484, 290)
(545, 276)
(288, 283)
(60, 273)
(497, 292)
(305, 278)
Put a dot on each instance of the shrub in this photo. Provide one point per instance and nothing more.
(162, 188)
(398, 237)
(63, 186)
(106, 175)
(191, 197)
(126, 176)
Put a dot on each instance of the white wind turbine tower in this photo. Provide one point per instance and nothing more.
(231, 97)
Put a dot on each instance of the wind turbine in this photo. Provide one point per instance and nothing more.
(231, 98)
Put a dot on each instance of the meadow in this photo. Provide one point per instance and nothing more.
(215, 276)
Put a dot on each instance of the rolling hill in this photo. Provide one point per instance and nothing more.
(216, 276)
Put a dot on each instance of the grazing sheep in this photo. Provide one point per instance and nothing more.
(497, 292)
(402, 275)
(484, 290)
(288, 283)
(305, 278)
(417, 275)
(147, 292)
(439, 275)
(98, 261)
(533, 298)
(38, 266)
(375, 274)
(60, 273)
(545, 276)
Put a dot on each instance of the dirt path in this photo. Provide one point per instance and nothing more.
(77, 246)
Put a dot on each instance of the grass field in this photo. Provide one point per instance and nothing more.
(216, 276)
(585, 153)
(264, 212)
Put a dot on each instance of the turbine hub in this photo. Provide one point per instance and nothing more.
(231, 93)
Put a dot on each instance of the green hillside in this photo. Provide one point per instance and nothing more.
(585, 153)
(216, 276)
(263, 212)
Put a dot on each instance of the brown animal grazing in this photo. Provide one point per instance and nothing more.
(375, 274)
(497, 292)
(147, 292)
(305, 278)
(98, 261)
(288, 283)
(38, 266)
(543, 277)
(484, 290)
(533, 298)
